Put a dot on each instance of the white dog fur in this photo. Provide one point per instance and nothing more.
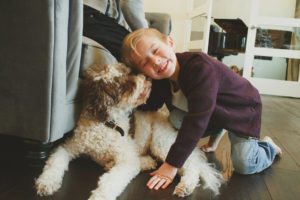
(113, 94)
(154, 132)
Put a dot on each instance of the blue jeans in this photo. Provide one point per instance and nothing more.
(248, 155)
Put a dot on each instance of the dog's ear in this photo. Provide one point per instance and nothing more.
(106, 72)
(104, 87)
(99, 97)
(94, 71)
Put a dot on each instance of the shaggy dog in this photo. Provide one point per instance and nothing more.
(102, 133)
(155, 134)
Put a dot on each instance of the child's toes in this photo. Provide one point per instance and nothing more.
(277, 148)
(206, 148)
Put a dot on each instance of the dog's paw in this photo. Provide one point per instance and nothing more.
(45, 187)
(183, 189)
(96, 195)
(147, 163)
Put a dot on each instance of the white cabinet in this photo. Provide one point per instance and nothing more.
(198, 25)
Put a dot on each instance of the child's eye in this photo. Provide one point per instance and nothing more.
(145, 64)
(155, 51)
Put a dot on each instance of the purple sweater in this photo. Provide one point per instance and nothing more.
(217, 98)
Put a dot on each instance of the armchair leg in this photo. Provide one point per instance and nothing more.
(36, 152)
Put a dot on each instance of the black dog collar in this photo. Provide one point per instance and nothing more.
(113, 125)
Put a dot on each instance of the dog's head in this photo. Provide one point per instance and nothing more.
(113, 86)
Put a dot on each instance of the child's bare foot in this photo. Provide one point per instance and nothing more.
(207, 148)
(278, 149)
(213, 142)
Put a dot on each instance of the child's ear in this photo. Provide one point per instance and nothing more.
(171, 42)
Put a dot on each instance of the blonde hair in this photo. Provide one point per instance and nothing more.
(131, 40)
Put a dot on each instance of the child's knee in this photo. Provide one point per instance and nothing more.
(242, 166)
(243, 158)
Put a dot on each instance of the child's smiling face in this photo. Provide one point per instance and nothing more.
(155, 58)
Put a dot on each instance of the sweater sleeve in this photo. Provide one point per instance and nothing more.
(199, 81)
(160, 94)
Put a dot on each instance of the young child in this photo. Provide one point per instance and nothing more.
(204, 97)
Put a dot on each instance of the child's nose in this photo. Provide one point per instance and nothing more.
(156, 60)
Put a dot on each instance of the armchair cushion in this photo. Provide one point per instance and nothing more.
(93, 52)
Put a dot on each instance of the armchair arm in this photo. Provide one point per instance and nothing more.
(38, 52)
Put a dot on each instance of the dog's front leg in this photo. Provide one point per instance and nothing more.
(147, 163)
(113, 182)
(51, 178)
(142, 130)
(142, 138)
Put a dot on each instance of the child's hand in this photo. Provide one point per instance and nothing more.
(162, 177)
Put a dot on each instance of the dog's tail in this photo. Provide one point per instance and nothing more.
(211, 177)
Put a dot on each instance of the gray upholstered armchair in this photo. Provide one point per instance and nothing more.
(41, 57)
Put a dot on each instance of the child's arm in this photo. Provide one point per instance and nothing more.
(160, 91)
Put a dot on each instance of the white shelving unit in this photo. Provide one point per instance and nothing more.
(198, 23)
(270, 86)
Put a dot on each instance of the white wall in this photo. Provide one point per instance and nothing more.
(277, 8)
(232, 9)
(241, 8)
(178, 11)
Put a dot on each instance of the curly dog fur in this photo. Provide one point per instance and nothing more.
(154, 133)
(112, 93)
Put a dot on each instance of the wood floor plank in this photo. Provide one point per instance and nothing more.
(290, 105)
(282, 184)
(286, 161)
(277, 115)
(241, 187)
(291, 144)
(137, 190)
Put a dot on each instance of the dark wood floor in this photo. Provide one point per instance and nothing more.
(281, 121)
